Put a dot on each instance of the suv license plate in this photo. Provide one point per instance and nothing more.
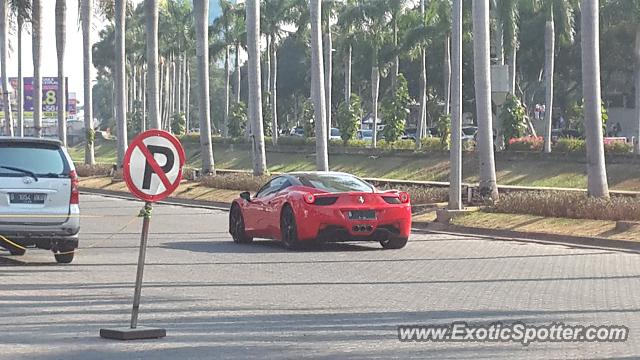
(27, 198)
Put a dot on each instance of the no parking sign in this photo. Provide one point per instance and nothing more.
(152, 166)
(152, 169)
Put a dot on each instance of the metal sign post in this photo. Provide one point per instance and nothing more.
(152, 170)
(146, 214)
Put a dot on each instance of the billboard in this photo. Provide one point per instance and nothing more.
(49, 96)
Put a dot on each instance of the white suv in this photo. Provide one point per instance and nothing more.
(39, 198)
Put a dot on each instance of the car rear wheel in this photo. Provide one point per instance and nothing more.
(236, 226)
(289, 229)
(64, 257)
(395, 243)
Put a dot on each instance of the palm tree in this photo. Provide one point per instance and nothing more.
(558, 12)
(4, 43)
(346, 41)
(61, 35)
(222, 25)
(482, 77)
(373, 18)
(255, 88)
(590, 39)
(455, 180)
(276, 14)
(22, 11)
(86, 15)
(201, 16)
(317, 85)
(36, 46)
(153, 81)
(119, 79)
(507, 11)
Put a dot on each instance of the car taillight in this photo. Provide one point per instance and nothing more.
(404, 197)
(309, 198)
(75, 192)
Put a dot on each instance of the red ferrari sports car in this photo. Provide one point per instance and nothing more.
(302, 207)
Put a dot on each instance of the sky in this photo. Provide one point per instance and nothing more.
(73, 50)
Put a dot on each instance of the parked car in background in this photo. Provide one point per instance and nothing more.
(297, 131)
(410, 134)
(469, 133)
(335, 134)
(366, 135)
(39, 197)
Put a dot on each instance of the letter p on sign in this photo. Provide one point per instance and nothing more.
(153, 164)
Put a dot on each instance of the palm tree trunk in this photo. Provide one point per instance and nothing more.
(227, 81)
(455, 175)
(61, 34)
(267, 65)
(178, 90)
(317, 86)
(328, 74)
(4, 43)
(120, 79)
(20, 99)
(36, 48)
(447, 75)
(375, 87)
(421, 125)
(188, 96)
(143, 98)
(549, 52)
(596, 170)
(201, 13)
(87, 63)
(637, 68)
(499, 41)
(347, 76)
(396, 59)
(255, 96)
(238, 75)
(153, 86)
(274, 88)
(482, 77)
(512, 71)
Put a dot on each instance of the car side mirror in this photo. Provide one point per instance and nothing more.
(245, 196)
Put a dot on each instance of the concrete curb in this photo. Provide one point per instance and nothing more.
(531, 237)
(201, 204)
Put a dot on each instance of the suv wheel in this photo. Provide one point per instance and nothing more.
(64, 257)
(17, 252)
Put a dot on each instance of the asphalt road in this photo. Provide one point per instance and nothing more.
(218, 299)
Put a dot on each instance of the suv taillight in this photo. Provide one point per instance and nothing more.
(75, 192)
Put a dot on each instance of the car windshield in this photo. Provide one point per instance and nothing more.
(335, 132)
(469, 131)
(367, 133)
(41, 160)
(334, 182)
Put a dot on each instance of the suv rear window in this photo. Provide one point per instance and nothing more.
(41, 159)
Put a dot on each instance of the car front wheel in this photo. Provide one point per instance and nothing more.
(236, 226)
(289, 229)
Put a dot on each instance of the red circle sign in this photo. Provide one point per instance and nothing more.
(146, 178)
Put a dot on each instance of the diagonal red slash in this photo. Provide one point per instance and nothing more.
(154, 165)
